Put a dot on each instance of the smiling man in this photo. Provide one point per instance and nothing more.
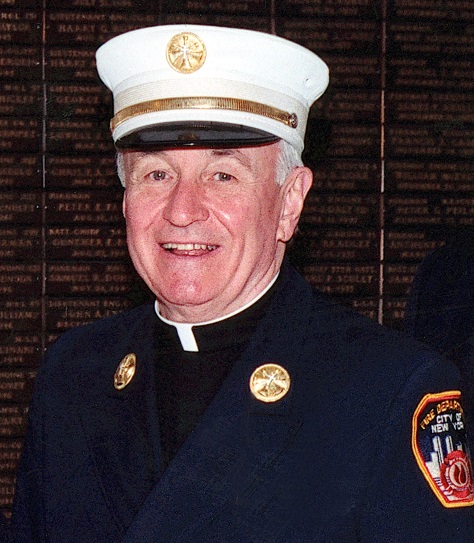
(242, 406)
(207, 228)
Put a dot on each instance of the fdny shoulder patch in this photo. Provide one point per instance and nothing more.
(441, 450)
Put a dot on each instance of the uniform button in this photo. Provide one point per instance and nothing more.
(270, 383)
(125, 371)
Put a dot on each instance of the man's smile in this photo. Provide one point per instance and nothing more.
(189, 249)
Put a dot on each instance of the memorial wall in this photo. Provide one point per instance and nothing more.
(391, 143)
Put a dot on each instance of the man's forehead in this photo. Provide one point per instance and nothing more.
(245, 155)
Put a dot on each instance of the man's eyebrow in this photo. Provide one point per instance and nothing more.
(237, 153)
(145, 154)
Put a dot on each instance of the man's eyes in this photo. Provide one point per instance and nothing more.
(222, 176)
(158, 175)
(162, 175)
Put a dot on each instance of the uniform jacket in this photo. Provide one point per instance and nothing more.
(440, 308)
(4, 529)
(330, 462)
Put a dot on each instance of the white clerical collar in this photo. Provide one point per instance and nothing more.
(185, 330)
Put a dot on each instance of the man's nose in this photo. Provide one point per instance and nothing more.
(186, 204)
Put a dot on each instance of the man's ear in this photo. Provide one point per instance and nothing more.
(295, 189)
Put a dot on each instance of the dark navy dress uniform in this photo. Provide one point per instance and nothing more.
(4, 529)
(440, 308)
(332, 461)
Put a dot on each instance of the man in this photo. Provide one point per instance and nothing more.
(4, 529)
(440, 308)
(241, 406)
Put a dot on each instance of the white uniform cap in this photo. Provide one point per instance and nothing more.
(182, 85)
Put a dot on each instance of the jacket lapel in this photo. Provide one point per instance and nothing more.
(237, 439)
(121, 425)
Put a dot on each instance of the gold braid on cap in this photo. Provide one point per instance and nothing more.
(233, 104)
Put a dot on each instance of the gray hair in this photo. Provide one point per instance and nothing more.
(288, 159)
(120, 167)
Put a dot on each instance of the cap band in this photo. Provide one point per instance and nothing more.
(209, 103)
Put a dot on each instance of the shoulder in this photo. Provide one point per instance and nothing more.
(344, 337)
(370, 357)
(86, 348)
(440, 305)
(105, 331)
(447, 269)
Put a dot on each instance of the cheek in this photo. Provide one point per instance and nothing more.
(231, 214)
(140, 211)
(271, 216)
(262, 226)
(132, 218)
(138, 231)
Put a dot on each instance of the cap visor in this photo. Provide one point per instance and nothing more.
(194, 134)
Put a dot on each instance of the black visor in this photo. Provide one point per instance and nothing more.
(194, 134)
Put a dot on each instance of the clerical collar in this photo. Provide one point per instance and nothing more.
(185, 330)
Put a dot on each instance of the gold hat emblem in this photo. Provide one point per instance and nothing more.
(125, 371)
(269, 383)
(186, 52)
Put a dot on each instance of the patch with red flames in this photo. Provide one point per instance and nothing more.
(441, 450)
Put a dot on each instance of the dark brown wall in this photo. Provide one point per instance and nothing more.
(391, 142)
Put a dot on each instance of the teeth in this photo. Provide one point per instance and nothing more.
(188, 247)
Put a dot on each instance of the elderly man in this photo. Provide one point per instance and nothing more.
(241, 407)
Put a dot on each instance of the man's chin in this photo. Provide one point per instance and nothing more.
(186, 301)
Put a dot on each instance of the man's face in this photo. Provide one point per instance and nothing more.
(206, 228)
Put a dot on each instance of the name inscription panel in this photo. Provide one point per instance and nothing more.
(62, 238)
(86, 242)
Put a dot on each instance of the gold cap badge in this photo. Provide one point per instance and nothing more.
(270, 383)
(125, 371)
(186, 52)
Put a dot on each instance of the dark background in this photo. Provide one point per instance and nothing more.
(391, 143)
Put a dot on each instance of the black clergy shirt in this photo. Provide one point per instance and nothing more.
(188, 381)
